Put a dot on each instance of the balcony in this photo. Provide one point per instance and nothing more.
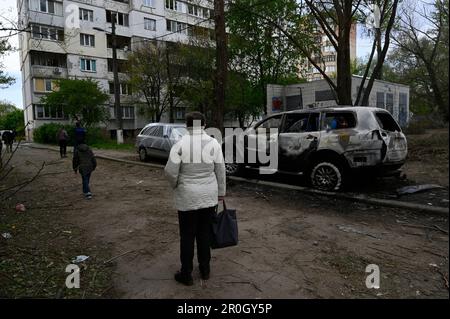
(40, 71)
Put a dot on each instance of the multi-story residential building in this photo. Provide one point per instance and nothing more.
(66, 41)
(327, 59)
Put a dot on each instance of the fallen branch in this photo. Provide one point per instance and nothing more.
(24, 184)
(114, 258)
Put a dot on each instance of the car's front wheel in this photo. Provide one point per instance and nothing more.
(327, 176)
(143, 154)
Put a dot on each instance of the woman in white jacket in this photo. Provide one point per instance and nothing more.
(196, 172)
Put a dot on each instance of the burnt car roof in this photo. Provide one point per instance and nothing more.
(336, 108)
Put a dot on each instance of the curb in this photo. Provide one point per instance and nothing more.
(442, 211)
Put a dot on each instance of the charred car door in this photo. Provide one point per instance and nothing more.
(260, 138)
(298, 138)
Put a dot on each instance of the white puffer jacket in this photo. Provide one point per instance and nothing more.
(196, 171)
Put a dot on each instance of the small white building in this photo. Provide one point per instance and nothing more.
(393, 97)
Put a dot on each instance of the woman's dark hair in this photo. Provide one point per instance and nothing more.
(194, 116)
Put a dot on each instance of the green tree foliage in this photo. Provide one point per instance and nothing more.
(47, 134)
(156, 70)
(82, 99)
(258, 48)
(420, 58)
(13, 120)
(6, 107)
(5, 80)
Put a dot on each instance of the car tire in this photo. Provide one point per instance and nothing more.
(327, 176)
(143, 157)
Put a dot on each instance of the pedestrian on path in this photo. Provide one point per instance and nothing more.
(198, 184)
(63, 138)
(84, 161)
(80, 135)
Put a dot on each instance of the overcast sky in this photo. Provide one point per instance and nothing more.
(11, 61)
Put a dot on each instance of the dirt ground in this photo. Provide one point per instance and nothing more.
(291, 245)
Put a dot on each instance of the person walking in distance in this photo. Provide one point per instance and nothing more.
(80, 135)
(198, 184)
(63, 138)
(84, 162)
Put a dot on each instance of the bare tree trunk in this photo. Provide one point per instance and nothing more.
(221, 63)
(344, 78)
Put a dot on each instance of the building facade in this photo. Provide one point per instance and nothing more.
(72, 39)
(393, 97)
(327, 59)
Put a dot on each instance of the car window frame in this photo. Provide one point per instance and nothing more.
(268, 119)
(324, 116)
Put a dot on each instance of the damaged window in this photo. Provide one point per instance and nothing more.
(301, 122)
(339, 120)
(387, 122)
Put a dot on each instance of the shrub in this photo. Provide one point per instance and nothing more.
(47, 134)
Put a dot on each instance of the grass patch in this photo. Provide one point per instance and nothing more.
(112, 145)
(430, 146)
(34, 260)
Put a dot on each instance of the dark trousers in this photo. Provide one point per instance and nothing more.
(195, 225)
(62, 148)
(85, 179)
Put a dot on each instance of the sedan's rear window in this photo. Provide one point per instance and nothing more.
(339, 120)
(387, 122)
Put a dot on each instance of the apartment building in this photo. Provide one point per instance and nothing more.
(71, 39)
(327, 59)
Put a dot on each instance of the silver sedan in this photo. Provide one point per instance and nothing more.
(156, 139)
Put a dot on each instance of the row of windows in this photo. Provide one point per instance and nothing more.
(50, 85)
(127, 111)
(47, 6)
(47, 32)
(188, 29)
(125, 88)
(56, 8)
(44, 85)
(46, 112)
(189, 8)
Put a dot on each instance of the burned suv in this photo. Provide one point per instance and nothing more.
(329, 143)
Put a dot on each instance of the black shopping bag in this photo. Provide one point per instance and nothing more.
(224, 228)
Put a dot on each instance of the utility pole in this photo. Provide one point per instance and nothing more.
(116, 80)
(221, 62)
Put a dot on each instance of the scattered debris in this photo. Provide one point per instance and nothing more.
(349, 229)
(67, 232)
(416, 188)
(80, 259)
(7, 235)
(433, 265)
(140, 182)
(20, 208)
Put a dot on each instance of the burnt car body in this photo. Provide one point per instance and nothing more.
(156, 139)
(327, 144)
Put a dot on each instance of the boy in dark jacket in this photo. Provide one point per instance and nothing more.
(84, 162)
